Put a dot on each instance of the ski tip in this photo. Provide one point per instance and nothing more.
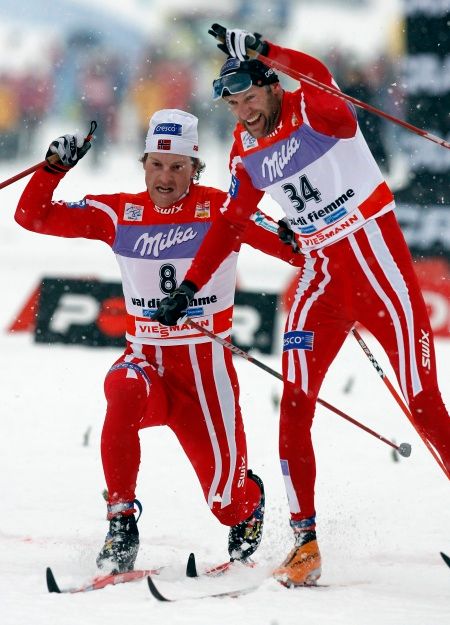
(155, 592)
(445, 558)
(191, 567)
(52, 586)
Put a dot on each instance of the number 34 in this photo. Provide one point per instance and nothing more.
(303, 194)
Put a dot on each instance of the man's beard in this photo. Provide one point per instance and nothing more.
(270, 122)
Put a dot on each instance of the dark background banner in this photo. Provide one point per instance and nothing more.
(423, 206)
(92, 313)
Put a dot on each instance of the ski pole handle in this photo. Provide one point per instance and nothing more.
(344, 96)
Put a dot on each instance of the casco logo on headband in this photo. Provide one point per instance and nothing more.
(168, 129)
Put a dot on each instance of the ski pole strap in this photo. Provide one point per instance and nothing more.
(139, 507)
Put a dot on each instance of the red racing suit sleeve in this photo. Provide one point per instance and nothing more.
(228, 228)
(36, 211)
(261, 233)
(325, 112)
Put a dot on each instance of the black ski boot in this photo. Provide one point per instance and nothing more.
(120, 550)
(244, 538)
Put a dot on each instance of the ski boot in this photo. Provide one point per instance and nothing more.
(120, 550)
(244, 538)
(302, 567)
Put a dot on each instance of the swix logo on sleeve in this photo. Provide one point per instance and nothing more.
(234, 186)
(168, 129)
(298, 339)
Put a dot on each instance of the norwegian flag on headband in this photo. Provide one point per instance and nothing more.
(164, 144)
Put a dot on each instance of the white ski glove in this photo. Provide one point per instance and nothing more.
(238, 41)
(69, 148)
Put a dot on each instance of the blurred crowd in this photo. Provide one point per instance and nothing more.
(86, 78)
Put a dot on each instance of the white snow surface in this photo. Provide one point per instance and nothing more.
(381, 524)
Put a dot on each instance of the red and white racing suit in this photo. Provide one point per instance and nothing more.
(318, 167)
(172, 376)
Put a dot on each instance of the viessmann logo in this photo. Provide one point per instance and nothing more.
(273, 165)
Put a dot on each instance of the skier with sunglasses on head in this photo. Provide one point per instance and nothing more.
(305, 149)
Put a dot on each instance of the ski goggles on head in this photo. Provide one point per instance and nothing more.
(230, 84)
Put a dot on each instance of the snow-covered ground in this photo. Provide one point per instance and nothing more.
(381, 523)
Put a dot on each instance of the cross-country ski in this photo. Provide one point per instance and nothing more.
(98, 582)
(446, 558)
(213, 595)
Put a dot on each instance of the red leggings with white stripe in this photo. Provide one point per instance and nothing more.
(367, 277)
(193, 389)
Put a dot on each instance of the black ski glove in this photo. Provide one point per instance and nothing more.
(174, 307)
(287, 235)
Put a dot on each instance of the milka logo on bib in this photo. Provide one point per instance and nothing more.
(153, 246)
(273, 165)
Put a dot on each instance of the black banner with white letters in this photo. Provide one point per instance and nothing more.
(423, 207)
(92, 313)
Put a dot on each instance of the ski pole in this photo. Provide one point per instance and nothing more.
(54, 158)
(219, 33)
(344, 96)
(397, 397)
(404, 449)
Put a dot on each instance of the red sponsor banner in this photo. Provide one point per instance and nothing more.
(25, 320)
(434, 281)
